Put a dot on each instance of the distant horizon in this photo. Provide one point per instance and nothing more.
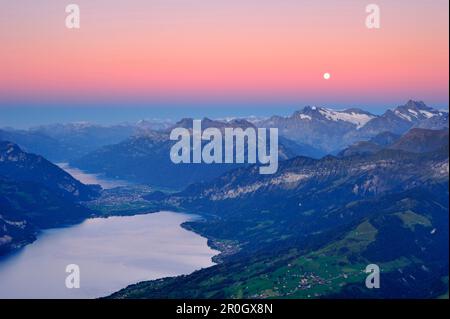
(244, 54)
(28, 116)
(172, 59)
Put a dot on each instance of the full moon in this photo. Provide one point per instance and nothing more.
(326, 76)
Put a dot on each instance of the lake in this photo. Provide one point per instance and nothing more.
(111, 253)
(88, 178)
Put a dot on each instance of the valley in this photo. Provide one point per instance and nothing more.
(306, 231)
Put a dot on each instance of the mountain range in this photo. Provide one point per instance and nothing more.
(332, 130)
(144, 158)
(65, 142)
(316, 131)
(312, 132)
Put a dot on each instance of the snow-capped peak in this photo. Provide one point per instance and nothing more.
(415, 110)
(356, 117)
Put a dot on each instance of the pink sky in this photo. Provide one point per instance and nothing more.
(188, 49)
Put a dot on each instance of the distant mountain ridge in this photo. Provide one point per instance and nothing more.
(64, 142)
(144, 158)
(311, 132)
(318, 130)
(331, 130)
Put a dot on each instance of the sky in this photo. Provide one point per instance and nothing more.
(243, 56)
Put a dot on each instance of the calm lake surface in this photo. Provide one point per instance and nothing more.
(88, 178)
(111, 253)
